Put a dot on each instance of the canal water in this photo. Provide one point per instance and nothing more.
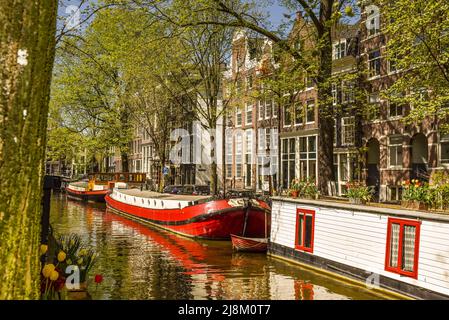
(141, 262)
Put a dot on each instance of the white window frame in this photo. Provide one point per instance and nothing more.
(338, 53)
(379, 59)
(238, 113)
(307, 109)
(248, 109)
(345, 126)
(396, 145)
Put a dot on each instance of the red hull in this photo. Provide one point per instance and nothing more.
(249, 244)
(215, 220)
(97, 196)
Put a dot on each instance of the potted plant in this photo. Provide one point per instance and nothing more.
(415, 195)
(295, 188)
(310, 189)
(358, 192)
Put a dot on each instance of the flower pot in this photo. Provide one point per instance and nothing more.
(294, 193)
(357, 201)
(79, 294)
(415, 205)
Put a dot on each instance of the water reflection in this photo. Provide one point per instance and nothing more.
(141, 262)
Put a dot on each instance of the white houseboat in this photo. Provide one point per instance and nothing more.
(400, 250)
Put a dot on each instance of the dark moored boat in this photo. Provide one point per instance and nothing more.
(192, 216)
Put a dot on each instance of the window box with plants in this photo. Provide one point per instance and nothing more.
(358, 192)
(415, 195)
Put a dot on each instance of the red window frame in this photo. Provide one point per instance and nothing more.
(402, 222)
(305, 212)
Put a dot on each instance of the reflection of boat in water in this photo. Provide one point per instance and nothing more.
(197, 257)
(193, 216)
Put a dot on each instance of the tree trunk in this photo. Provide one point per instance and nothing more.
(325, 114)
(27, 46)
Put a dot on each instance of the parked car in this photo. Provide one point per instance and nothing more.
(195, 189)
(172, 189)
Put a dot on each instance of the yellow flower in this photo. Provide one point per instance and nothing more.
(61, 256)
(47, 270)
(43, 248)
(80, 261)
(54, 275)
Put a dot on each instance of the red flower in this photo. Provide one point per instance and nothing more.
(98, 278)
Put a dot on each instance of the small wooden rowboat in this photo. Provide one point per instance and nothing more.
(249, 244)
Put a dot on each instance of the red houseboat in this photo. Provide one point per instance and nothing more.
(100, 184)
(193, 216)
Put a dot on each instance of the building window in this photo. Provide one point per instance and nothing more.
(310, 111)
(444, 149)
(402, 247)
(288, 161)
(261, 109)
(249, 114)
(395, 109)
(238, 155)
(298, 112)
(275, 108)
(228, 159)
(307, 157)
(374, 106)
(344, 167)
(392, 66)
(374, 63)
(394, 193)
(339, 49)
(268, 108)
(373, 22)
(305, 227)
(347, 130)
(248, 156)
(249, 82)
(287, 116)
(395, 151)
(238, 118)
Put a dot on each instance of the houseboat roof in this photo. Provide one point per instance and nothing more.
(157, 195)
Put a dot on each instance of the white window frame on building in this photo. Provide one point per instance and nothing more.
(268, 108)
(398, 110)
(228, 149)
(395, 148)
(310, 107)
(248, 157)
(298, 106)
(339, 49)
(444, 142)
(308, 157)
(288, 160)
(374, 21)
(374, 64)
(248, 114)
(287, 110)
(238, 115)
(347, 131)
(261, 109)
(394, 193)
(238, 154)
(344, 160)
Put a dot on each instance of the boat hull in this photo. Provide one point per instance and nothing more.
(246, 244)
(95, 196)
(215, 220)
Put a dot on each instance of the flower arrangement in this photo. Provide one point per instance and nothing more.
(66, 250)
(415, 194)
(304, 188)
(358, 192)
(295, 188)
